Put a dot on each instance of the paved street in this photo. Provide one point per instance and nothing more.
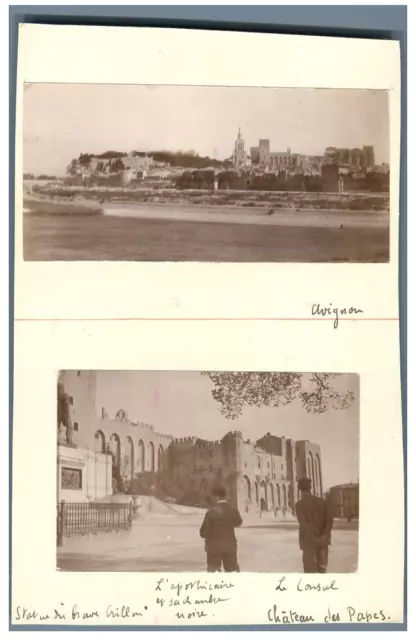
(172, 543)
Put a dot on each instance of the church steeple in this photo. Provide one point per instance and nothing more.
(239, 153)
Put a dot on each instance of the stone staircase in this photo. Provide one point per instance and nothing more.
(147, 505)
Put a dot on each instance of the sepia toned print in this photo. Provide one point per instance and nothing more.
(233, 471)
(197, 173)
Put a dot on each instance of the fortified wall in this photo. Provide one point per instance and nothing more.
(327, 181)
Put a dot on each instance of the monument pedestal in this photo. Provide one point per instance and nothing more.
(83, 475)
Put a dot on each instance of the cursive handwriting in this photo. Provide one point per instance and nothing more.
(348, 614)
(196, 585)
(197, 613)
(73, 613)
(122, 612)
(287, 617)
(200, 599)
(22, 613)
(307, 586)
(366, 616)
(351, 615)
(302, 585)
(335, 312)
(192, 599)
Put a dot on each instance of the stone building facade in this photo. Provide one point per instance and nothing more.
(344, 499)
(353, 158)
(118, 448)
(263, 157)
(259, 476)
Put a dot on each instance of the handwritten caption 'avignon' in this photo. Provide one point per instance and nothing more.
(335, 313)
(192, 600)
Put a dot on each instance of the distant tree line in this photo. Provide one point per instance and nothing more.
(186, 159)
(42, 176)
(85, 158)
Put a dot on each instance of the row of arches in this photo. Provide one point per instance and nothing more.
(265, 496)
(133, 458)
(314, 473)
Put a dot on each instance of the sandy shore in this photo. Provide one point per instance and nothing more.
(224, 214)
(47, 206)
(256, 216)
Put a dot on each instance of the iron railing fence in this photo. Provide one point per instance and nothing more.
(78, 518)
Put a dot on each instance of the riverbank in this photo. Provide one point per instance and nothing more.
(62, 207)
(237, 214)
(264, 200)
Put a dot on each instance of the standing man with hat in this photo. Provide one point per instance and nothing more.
(218, 531)
(315, 526)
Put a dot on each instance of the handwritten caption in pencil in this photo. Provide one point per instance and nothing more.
(335, 312)
(192, 599)
(188, 601)
(278, 614)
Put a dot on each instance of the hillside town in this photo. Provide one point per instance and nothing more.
(268, 200)
(254, 168)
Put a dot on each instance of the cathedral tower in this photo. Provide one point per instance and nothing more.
(239, 156)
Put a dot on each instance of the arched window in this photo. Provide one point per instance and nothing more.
(129, 457)
(160, 454)
(272, 495)
(152, 456)
(279, 502)
(284, 496)
(141, 460)
(263, 495)
(246, 488)
(257, 492)
(100, 442)
(115, 447)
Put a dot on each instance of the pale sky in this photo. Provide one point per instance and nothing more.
(180, 404)
(63, 120)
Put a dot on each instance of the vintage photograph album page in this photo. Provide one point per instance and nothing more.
(206, 364)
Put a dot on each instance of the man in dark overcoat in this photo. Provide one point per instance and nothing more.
(315, 527)
(218, 532)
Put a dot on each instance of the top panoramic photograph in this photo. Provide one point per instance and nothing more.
(205, 174)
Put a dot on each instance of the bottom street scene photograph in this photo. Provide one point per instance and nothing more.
(172, 471)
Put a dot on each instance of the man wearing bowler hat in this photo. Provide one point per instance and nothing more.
(315, 526)
(218, 532)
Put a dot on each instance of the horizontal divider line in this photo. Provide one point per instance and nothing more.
(330, 319)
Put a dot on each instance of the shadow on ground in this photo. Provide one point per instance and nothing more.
(339, 525)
